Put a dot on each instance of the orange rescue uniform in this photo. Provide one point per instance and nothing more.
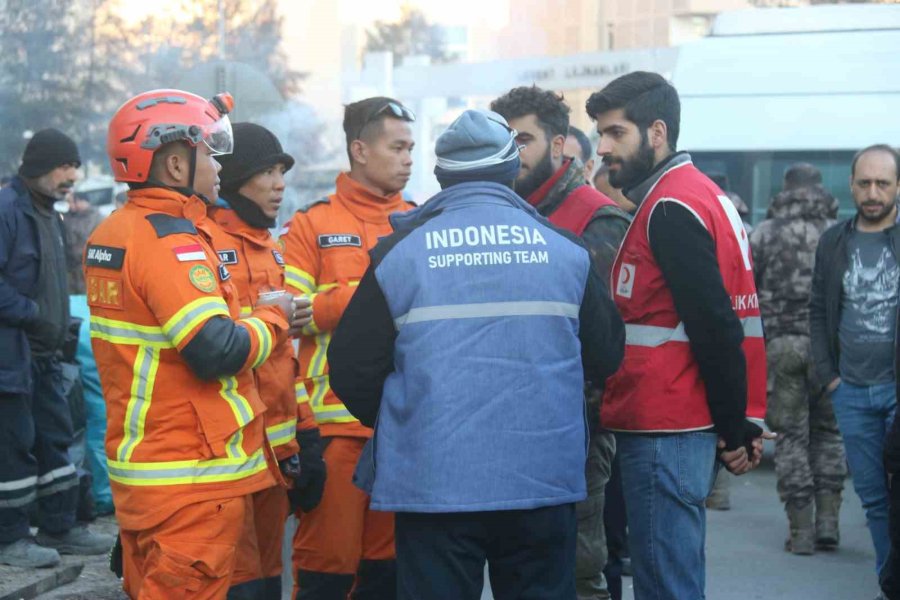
(183, 452)
(326, 250)
(256, 265)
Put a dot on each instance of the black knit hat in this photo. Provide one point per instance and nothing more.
(46, 150)
(255, 149)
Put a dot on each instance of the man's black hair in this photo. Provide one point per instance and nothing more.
(583, 141)
(876, 148)
(800, 175)
(363, 114)
(646, 97)
(720, 179)
(550, 108)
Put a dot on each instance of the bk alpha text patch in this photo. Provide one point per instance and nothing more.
(105, 257)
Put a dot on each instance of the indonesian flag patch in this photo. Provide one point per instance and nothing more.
(189, 253)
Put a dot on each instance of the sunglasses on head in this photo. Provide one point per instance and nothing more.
(395, 108)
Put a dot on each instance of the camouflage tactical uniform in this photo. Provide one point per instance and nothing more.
(809, 453)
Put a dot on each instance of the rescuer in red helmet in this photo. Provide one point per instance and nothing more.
(185, 441)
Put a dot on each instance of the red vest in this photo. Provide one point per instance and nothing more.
(577, 210)
(658, 387)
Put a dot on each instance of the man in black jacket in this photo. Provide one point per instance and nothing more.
(853, 326)
(35, 424)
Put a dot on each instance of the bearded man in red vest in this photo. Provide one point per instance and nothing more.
(555, 185)
(695, 365)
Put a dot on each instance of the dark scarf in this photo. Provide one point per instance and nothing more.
(247, 210)
(547, 198)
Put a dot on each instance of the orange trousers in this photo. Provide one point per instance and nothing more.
(341, 531)
(259, 549)
(189, 556)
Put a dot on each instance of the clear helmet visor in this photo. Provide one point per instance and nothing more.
(219, 137)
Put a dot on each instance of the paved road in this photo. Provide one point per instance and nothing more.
(745, 559)
(744, 555)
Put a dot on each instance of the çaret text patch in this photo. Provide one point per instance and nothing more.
(336, 240)
(104, 292)
(105, 257)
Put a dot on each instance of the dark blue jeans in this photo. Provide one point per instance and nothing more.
(864, 415)
(666, 479)
(530, 554)
(35, 435)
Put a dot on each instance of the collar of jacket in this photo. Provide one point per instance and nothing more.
(639, 192)
(30, 196)
(169, 202)
(228, 219)
(555, 190)
(23, 196)
(850, 225)
(462, 194)
(246, 209)
(365, 204)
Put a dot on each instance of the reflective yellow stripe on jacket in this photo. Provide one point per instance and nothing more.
(191, 315)
(146, 364)
(186, 471)
(299, 279)
(264, 338)
(149, 342)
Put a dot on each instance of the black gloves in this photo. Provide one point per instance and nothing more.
(115, 557)
(307, 470)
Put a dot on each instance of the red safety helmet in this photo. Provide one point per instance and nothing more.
(152, 119)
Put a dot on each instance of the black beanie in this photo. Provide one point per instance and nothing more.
(46, 150)
(255, 149)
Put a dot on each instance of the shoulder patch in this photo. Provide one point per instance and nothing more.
(322, 200)
(202, 278)
(105, 257)
(105, 292)
(167, 224)
(228, 257)
(224, 275)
